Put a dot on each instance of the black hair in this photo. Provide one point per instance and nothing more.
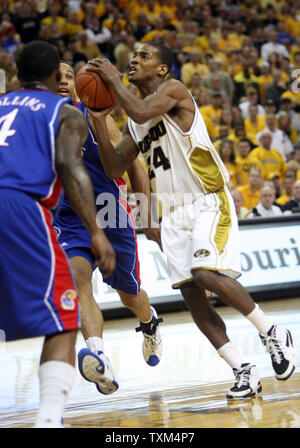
(62, 61)
(165, 55)
(37, 61)
(247, 141)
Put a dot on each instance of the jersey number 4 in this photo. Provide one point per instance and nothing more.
(5, 126)
(159, 159)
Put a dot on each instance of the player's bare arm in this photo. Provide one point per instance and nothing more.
(77, 184)
(166, 98)
(115, 157)
(159, 96)
(136, 173)
(71, 135)
(114, 133)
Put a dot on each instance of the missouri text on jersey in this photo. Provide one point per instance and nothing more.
(153, 135)
(34, 103)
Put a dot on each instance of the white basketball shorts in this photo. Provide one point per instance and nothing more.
(202, 235)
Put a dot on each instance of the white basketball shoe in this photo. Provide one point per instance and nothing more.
(247, 383)
(97, 369)
(279, 343)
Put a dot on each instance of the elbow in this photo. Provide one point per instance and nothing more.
(61, 166)
(139, 119)
(140, 116)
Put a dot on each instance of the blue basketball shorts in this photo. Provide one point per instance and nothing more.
(75, 240)
(37, 292)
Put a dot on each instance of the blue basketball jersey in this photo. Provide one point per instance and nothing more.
(37, 294)
(102, 185)
(28, 126)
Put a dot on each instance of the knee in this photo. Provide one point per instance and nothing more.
(82, 272)
(206, 279)
(129, 300)
(201, 277)
(83, 283)
(80, 276)
(133, 301)
(192, 293)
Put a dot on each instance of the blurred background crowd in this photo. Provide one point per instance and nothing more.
(240, 59)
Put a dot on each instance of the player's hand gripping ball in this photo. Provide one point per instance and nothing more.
(93, 91)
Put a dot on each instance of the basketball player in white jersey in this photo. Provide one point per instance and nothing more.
(199, 228)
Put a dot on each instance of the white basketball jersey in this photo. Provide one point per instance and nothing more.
(183, 163)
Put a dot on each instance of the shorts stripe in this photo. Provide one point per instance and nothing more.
(53, 200)
(45, 215)
(60, 281)
(224, 223)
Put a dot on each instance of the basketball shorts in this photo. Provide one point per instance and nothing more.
(37, 292)
(202, 235)
(75, 240)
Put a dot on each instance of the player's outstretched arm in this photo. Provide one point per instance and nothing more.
(77, 184)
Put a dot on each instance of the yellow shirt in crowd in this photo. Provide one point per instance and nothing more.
(271, 160)
(252, 129)
(59, 21)
(250, 199)
(234, 174)
(212, 113)
(245, 164)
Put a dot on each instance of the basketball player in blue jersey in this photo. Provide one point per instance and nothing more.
(120, 231)
(40, 153)
(199, 230)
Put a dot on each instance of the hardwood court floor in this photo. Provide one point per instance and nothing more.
(186, 390)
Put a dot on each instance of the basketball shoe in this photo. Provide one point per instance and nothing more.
(96, 368)
(152, 343)
(279, 343)
(247, 383)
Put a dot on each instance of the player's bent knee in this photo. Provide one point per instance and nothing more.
(204, 278)
(82, 274)
(133, 300)
(130, 300)
(192, 292)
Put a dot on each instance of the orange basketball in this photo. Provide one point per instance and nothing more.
(93, 91)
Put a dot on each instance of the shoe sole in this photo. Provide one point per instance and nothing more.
(285, 377)
(248, 395)
(88, 362)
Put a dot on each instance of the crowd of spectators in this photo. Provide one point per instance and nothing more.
(240, 59)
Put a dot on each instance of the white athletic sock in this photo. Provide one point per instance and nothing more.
(95, 344)
(56, 380)
(262, 322)
(231, 355)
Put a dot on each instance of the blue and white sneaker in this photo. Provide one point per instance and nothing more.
(152, 344)
(97, 369)
(247, 383)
